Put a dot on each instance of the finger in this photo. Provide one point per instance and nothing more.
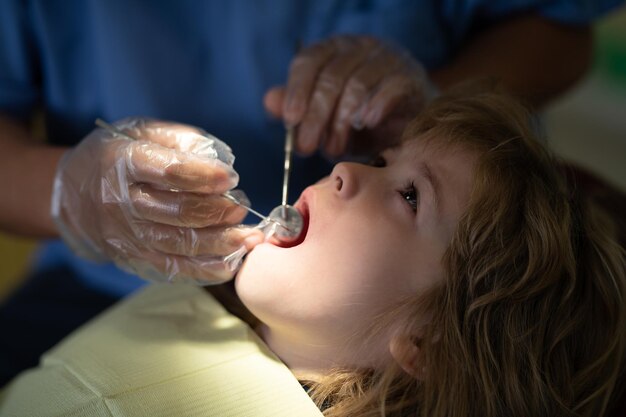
(183, 209)
(357, 91)
(403, 88)
(203, 269)
(381, 65)
(168, 168)
(273, 101)
(209, 241)
(177, 136)
(183, 269)
(158, 131)
(303, 72)
(328, 87)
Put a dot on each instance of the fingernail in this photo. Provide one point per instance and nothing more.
(306, 142)
(237, 235)
(293, 109)
(357, 120)
(221, 183)
(232, 178)
(253, 240)
(357, 124)
(222, 172)
(372, 117)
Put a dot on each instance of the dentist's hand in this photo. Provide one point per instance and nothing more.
(152, 205)
(350, 93)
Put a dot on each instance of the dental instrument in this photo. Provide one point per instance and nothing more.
(287, 216)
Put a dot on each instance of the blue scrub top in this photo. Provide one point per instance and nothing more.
(208, 63)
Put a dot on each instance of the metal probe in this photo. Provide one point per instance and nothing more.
(288, 215)
(287, 166)
(289, 218)
(251, 210)
(112, 129)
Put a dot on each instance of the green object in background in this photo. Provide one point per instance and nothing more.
(610, 43)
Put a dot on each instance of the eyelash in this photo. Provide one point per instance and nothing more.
(378, 161)
(408, 192)
(410, 195)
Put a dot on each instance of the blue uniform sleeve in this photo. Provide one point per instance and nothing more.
(18, 84)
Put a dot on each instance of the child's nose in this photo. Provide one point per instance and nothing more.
(345, 179)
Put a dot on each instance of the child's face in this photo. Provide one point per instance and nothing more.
(376, 236)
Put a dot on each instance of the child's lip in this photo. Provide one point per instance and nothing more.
(302, 205)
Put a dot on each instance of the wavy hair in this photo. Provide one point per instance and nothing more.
(530, 318)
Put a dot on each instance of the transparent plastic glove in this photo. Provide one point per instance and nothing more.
(268, 233)
(350, 91)
(153, 205)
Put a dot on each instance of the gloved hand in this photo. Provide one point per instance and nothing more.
(352, 91)
(152, 205)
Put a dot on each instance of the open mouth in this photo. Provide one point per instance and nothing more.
(303, 208)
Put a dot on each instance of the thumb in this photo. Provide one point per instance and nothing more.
(273, 101)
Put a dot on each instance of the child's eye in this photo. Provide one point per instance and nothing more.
(410, 195)
(378, 161)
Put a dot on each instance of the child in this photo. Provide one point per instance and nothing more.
(457, 275)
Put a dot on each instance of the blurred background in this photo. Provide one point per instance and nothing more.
(587, 126)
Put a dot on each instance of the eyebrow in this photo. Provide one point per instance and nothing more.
(434, 182)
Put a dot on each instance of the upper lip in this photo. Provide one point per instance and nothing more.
(304, 207)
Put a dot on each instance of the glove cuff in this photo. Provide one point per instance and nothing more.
(72, 235)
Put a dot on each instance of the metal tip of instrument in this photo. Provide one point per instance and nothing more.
(287, 165)
(292, 223)
(256, 213)
(112, 129)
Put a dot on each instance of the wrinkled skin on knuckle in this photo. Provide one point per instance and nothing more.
(301, 61)
(199, 213)
(175, 240)
(194, 211)
(328, 82)
(357, 87)
(202, 212)
(145, 159)
(173, 172)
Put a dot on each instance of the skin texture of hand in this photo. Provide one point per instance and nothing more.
(355, 94)
(152, 205)
(349, 93)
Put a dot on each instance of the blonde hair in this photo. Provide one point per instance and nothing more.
(530, 318)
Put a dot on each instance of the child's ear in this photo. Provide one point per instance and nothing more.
(406, 352)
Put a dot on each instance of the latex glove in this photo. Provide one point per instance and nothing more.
(350, 91)
(152, 205)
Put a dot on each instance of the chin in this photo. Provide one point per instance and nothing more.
(274, 258)
(271, 270)
(260, 282)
